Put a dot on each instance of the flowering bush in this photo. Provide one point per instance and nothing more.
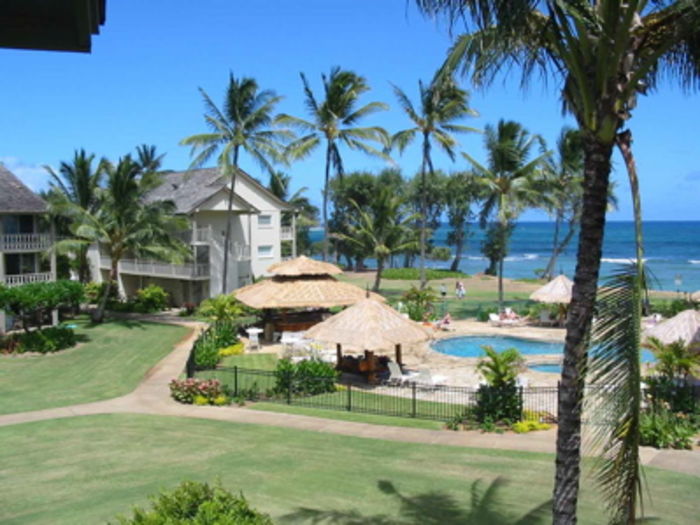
(234, 349)
(199, 392)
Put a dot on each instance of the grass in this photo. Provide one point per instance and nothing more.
(95, 467)
(111, 361)
(257, 361)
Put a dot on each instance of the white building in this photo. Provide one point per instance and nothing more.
(25, 237)
(202, 196)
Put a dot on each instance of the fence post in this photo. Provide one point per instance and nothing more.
(235, 380)
(522, 405)
(189, 366)
(349, 396)
(413, 399)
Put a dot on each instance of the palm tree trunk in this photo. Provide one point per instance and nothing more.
(426, 152)
(378, 277)
(578, 324)
(325, 202)
(500, 283)
(98, 315)
(459, 244)
(549, 270)
(227, 238)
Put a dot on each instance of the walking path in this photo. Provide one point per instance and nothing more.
(152, 397)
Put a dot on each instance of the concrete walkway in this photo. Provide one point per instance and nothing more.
(152, 397)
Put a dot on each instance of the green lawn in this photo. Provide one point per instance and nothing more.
(111, 361)
(94, 467)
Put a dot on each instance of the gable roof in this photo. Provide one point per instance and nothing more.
(189, 189)
(15, 197)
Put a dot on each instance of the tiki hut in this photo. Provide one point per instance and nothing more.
(695, 296)
(684, 326)
(302, 265)
(556, 291)
(371, 326)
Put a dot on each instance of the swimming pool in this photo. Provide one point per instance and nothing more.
(470, 346)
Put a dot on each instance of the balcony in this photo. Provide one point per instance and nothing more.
(287, 233)
(198, 236)
(25, 278)
(25, 242)
(195, 271)
(241, 252)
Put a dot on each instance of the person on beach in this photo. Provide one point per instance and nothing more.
(443, 290)
(459, 290)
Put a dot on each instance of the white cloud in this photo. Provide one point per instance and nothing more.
(33, 175)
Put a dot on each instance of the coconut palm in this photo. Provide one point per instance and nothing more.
(77, 182)
(604, 53)
(508, 181)
(461, 191)
(244, 123)
(334, 120)
(306, 213)
(381, 229)
(125, 223)
(147, 157)
(442, 105)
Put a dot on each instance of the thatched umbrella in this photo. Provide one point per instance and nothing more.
(557, 291)
(695, 296)
(369, 325)
(302, 292)
(302, 265)
(684, 326)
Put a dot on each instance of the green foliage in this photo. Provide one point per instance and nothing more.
(151, 299)
(483, 313)
(440, 253)
(234, 349)
(498, 404)
(93, 291)
(500, 368)
(195, 503)
(419, 303)
(32, 301)
(44, 341)
(675, 395)
(413, 274)
(671, 308)
(206, 348)
(665, 429)
(674, 361)
(223, 307)
(199, 392)
(309, 377)
(523, 427)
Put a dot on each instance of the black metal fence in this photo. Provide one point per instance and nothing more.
(412, 400)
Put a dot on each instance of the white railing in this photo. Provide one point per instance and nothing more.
(200, 235)
(25, 278)
(24, 242)
(286, 233)
(159, 268)
(241, 252)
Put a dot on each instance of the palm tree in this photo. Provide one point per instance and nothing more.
(334, 120)
(244, 123)
(508, 181)
(442, 104)
(306, 212)
(148, 158)
(460, 193)
(381, 229)
(604, 53)
(77, 182)
(125, 223)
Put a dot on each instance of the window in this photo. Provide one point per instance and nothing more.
(265, 250)
(264, 221)
(18, 224)
(19, 263)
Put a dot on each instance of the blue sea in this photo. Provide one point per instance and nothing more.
(672, 251)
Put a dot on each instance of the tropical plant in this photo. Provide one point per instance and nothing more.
(508, 181)
(32, 302)
(334, 120)
(500, 368)
(381, 230)
(674, 361)
(77, 182)
(223, 307)
(499, 400)
(245, 123)
(419, 302)
(460, 194)
(442, 104)
(126, 223)
(604, 53)
(306, 213)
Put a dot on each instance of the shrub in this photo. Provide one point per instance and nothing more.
(483, 313)
(199, 391)
(32, 302)
(93, 292)
(664, 429)
(676, 396)
(522, 427)
(671, 308)
(413, 274)
(45, 341)
(197, 503)
(419, 303)
(308, 377)
(223, 308)
(206, 348)
(152, 298)
(234, 349)
(501, 404)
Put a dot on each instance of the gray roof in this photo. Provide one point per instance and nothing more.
(15, 197)
(189, 189)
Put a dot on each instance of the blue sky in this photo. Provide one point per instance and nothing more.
(139, 85)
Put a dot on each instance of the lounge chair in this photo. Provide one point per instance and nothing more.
(546, 318)
(495, 320)
(396, 376)
(426, 379)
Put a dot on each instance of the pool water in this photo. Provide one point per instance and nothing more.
(470, 346)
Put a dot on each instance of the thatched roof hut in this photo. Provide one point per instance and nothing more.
(556, 291)
(302, 265)
(684, 326)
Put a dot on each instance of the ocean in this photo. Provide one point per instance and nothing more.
(672, 251)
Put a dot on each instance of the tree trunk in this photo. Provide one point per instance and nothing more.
(549, 270)
(500, 284)
(459, 243)
(227, 238)
(563, 244)
(325, 202)
(578, 324)
(98, 315)
(378, 277)
(423, 218)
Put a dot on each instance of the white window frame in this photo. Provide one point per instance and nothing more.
(265, 225)
(267, 255)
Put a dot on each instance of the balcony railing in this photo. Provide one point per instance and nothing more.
(198, 236)
(25, 278)
(159, 268)
(241, 252)
(287, 233)
(25, 242)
